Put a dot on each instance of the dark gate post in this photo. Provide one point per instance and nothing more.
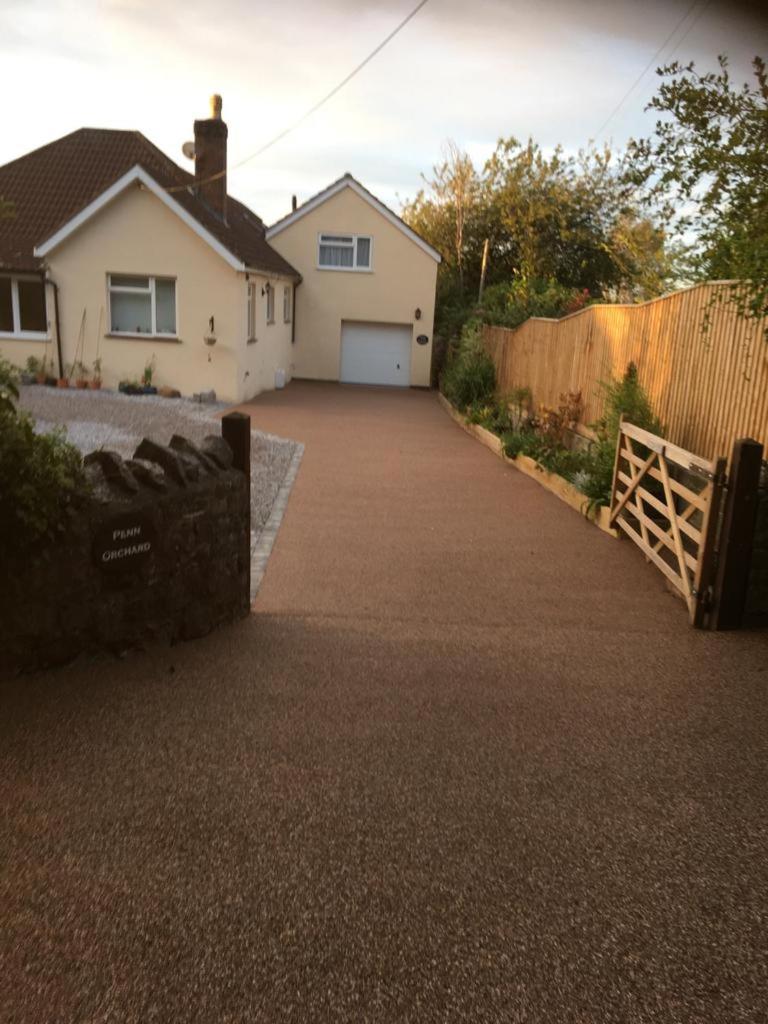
(737, 534)
(236, 431)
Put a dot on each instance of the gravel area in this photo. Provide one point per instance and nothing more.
(108, 419)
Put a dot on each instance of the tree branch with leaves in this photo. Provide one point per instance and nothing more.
(705, 172)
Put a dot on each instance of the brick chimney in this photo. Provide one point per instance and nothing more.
(211, 159)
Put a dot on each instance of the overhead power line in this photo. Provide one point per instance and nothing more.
(316, 107)
(336, 88)
(645, 70)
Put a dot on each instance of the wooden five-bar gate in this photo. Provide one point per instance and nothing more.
(670, 502)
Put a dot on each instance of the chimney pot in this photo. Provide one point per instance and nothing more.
(211, 159)
(294, 204)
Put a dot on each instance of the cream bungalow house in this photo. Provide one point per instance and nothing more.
(110, 251)
(365, 308)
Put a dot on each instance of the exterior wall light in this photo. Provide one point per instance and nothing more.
(417, 313)
(210, 338)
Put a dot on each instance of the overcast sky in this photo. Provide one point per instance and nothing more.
(472, 70)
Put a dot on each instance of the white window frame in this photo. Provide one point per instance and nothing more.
(16, 310)
(270, 303)
(129, 290)
(287, 303)
(354, 269)
(251, 308)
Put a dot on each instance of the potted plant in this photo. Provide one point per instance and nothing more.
(41, 374)
(32, 371)
(96, 379)
(63, 382)
(81, 375)
(146, 377)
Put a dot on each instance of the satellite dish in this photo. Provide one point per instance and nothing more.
(188, 149)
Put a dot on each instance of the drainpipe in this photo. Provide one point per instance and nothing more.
(52, 283)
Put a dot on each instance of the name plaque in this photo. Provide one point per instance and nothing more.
(125, 542)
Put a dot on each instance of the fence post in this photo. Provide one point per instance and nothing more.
(236, 431)
(737, 534)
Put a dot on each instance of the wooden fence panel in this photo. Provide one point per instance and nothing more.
(708, 387)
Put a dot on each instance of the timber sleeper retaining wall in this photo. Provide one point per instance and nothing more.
(557, 485)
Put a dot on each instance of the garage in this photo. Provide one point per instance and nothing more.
(376, 354)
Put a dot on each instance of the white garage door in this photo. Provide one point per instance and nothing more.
(375, 354)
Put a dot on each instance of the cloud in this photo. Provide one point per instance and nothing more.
(473, 72)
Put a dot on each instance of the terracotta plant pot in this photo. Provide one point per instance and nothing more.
(62, 382)
(41, 378)
(95, 384)
(82, 382)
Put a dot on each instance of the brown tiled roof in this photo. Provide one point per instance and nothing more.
(48, 186)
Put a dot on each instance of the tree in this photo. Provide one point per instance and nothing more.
(706, 172)
(561, 230)
(443, 216)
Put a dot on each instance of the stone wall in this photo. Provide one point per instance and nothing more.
(756, 611)
(160, 550)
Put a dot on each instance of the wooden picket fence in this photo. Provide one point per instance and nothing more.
(705, 369)
(673, 521)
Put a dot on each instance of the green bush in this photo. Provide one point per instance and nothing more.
(42, 475)
(469, 376)
(9, 387)
(510, 303)
(521, 442)
(622, 397)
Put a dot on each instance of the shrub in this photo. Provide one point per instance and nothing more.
(469, 376)
(42, 476)
(9, 388)
(521, 442)
(511, 303)
(622, 397)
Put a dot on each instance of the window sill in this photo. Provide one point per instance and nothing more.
(270, 323)
(123, 335)
(24, 336)
(346, 270)
(251, 341)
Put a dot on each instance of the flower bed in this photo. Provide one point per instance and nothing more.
(556, 484)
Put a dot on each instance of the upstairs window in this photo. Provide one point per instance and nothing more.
(287, 303)
(344, 252)
(142, 305)
(22, 306)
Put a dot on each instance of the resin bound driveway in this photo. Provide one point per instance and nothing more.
(466, 762)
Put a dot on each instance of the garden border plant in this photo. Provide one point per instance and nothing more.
(549, 437)
(42, 474)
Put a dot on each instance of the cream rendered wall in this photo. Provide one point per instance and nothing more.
(272, 349)
(137, 234)
(403, 279)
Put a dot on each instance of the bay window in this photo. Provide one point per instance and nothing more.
(142, 305)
